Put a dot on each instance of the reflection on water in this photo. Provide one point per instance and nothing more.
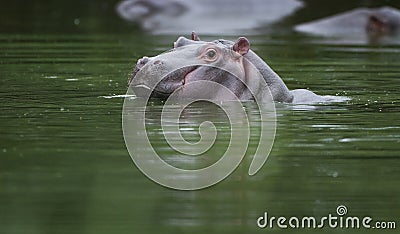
(189, 122)
(64, 167)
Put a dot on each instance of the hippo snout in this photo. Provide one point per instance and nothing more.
(139, 65)
(141, 62)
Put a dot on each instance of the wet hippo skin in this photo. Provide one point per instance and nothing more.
(218, 52)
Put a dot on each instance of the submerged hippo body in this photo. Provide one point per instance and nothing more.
(371, 23)
(235, 57)
(204, 16)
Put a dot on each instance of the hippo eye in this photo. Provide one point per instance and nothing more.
(211, 53)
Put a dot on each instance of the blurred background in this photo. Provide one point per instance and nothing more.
(100, 16)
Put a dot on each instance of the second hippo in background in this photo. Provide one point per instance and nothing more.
(372, 24)
(242, 70)
(205, 16)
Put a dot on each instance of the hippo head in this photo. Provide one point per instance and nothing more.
(194, 60)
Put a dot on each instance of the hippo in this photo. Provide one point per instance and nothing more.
(372, 23)
(235, 57)
(204, 16)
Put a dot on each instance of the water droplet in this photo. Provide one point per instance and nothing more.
(71, 79)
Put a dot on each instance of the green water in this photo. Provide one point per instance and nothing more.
(64, 167)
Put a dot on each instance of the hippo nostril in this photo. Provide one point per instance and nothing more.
(143, 60)
(157, 62)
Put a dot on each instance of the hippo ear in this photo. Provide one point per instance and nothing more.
(242, 46)
(376, 24)
(195, 37)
